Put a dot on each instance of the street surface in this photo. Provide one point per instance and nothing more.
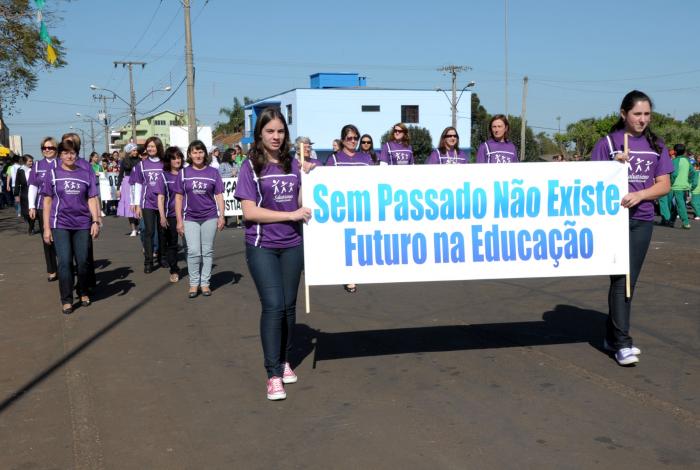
(454, 375)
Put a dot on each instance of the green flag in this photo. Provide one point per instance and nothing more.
(44, 34)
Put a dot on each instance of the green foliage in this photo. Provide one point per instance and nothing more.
(421, 142)
(22, 54)
(693, 120)
(582, 135)
(235, 115)
(480, 124)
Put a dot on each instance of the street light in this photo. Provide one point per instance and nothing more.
(454, 101)
(132, 104)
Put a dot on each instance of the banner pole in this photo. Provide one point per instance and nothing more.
(300, 156)
(628, 283)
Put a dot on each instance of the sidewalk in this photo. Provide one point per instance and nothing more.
(489, 374)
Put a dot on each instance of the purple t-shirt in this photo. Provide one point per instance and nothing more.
(198, 188)
(70, 191)
(40, 169)
(165, 187)
(343, 159)
(447, 158)
(645, 165)
(497, 152)
(394, 153)
(147, 173)
(274, 190)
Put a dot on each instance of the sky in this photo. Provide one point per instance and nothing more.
(581, 57)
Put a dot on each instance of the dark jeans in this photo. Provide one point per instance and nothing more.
(70, 244)
(170, 244)
(151, 226)
(49, 250)
(276, 273)
(618, 324)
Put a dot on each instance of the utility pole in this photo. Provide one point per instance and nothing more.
(506, 55)
(454, 70)
(523, 121)
(104, 117)
(92, 134)
(189, 70)
(132, 104)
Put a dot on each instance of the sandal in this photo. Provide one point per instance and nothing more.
(174, 277)
(349, 289)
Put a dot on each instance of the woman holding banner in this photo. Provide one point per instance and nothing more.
(348, 156)
(269, 191)
(172, 164)
(497, 149)
(199, 210)
(448, 152)
(397, 150)
(632, 142)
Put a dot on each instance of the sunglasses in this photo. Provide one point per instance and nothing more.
(351, 137)
(398, 131)
(366, 142)
(452, 135)
(43, 149)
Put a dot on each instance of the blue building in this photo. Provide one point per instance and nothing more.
(336, 99)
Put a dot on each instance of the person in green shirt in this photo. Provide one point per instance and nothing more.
(681, 181)
(695, 191)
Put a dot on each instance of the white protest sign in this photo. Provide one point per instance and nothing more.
(232, 206)
(456, 222)
(108, 186)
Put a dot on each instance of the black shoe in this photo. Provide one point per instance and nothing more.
(148, 269)
(85, 303)
(67, 311)
(52, 278)
(193, 294)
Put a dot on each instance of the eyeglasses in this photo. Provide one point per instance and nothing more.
(44, 149)
(451, 135)
(398, 131)
(366, 142)
(351, 137)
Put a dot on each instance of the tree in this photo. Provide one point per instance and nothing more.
(693, 120)
(480, 124)
(235, 115)
(22, 53)
(421, 142)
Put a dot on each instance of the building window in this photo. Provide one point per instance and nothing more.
(289, 114)
(370, 108)
(409, 114)
(159, 122)
(173, 123)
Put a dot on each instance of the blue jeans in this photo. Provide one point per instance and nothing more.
(69, 244)
(200, 250)
(619, 306)
(276, 273)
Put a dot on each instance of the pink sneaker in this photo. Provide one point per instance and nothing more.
(289, 377)
(275, 389)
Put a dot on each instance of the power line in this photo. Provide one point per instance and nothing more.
(145, 30)
(166, 100)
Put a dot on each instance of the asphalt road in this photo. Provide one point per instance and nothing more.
(492, 374)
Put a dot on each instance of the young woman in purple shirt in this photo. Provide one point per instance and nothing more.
(398, 150)
(497, 149)
(144, 177)
(199, 210)
(269, 190)
(448, 152)
(71, 217)
(35, 200)
(348, 156)
(172, 164)
(367, 146)
(648, 176)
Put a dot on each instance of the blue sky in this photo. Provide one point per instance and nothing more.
(581, 57)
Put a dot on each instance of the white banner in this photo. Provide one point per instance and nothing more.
(108, 186)
(456, 222)
(232, 206)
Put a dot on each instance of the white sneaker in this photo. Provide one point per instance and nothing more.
(289, 377)
(635, 350)
(625, 357)
(133, 233)
(275, 389)
(103, 213)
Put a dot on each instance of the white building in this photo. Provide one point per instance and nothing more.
(336, 99)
